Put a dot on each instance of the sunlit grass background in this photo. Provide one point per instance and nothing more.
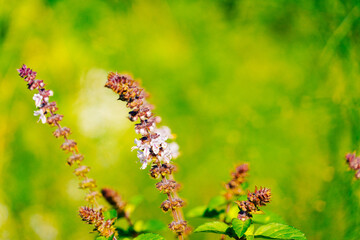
(272, 83)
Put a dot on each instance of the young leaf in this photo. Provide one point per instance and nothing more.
(124, 233)
(149, 236)
(232, 213)
(216, 202)
(250, 232)
(240, 227)
(267, 217)
(110, 214)
(202, 211)
(213, 213)
(279, 231)
(213, 227)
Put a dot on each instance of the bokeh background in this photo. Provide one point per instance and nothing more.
(273, 83)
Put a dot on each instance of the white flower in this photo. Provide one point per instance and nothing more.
(157, 143)
(166, 156)
(42, 115)
(143, 159)
(174, 148)
(141, 146)
(164, 131)
(38, 99)
(138, 144)
(51, 93)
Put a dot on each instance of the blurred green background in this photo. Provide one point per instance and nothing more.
(272, 83)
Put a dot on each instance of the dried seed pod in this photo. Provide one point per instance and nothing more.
(166, 186)
(96, 218)
(88, 183)
(255, 200)
(75, 158)
(82, 171)
(62, 132)
(69, 145)
(178, 226)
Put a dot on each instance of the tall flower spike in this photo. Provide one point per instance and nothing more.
(255, 200)
(46, 110)
(233, 187)
(152, 147)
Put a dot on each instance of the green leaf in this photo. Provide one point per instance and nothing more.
(149, 236)
(250, 232)
(240, 227)
(268, 217)
(216, 202)
(105, 238)
(196, 212)
(280, 231)
(213, 227)
(213, 213)
(232, 213)
(124, 233)
(202, 211)
(101, 238)
(110, 214)
(153, 225)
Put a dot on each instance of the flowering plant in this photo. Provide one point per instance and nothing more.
(236, 212)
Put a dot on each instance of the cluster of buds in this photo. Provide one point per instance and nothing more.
(233, 187)
(46, 111)
(172, 205)
(96, 217)
(255, 200)
(152, 147)
(354, 163)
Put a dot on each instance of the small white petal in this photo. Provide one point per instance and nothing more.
(142, 131)
(43, 119)
(146, 152)
(38, 99)
(144, 165)
(41, 114)
(155, 148)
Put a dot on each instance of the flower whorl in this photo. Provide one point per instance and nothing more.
(47, 114)
(96, 218)
(255, 200)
